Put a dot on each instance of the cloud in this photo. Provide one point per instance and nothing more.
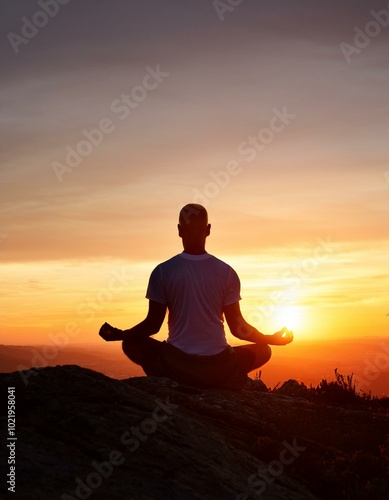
(225, 78)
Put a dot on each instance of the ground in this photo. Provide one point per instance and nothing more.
(83, 435)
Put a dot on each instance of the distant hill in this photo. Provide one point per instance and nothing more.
(107, 359)
(83, 435)
(307, 362)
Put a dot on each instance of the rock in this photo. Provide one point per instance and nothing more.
(293, 388)
(83, 435)
(256, 385)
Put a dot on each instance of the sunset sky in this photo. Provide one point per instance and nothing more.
(116, 114)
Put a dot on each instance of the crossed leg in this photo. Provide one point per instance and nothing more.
(249, 356)
(252, 356)
(135, 351)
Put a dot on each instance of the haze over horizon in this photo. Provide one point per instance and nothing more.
(116, 115)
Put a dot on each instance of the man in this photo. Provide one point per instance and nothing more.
(198, 290)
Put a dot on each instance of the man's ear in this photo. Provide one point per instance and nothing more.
(179, 230)
(208, 231)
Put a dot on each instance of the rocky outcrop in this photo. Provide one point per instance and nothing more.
(83, 435)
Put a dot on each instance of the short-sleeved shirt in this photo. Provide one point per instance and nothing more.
(195, 288)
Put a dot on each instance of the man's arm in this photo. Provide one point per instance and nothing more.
(149, 326)
(244, 331)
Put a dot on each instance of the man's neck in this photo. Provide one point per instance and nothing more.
(195, 250)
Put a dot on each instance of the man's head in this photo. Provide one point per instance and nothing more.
(193, 215)
(193, 225)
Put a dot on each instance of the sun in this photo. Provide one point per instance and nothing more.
(290, 316)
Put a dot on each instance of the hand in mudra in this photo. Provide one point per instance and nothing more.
(110, 333)
(282, 337)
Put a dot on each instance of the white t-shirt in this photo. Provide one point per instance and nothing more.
(195, 289)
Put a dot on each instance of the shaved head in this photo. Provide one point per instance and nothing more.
(194, 216)
(193, 228)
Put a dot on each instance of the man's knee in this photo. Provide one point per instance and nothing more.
(132, 351)
(263, 354)
(268, 353)
(126, 345)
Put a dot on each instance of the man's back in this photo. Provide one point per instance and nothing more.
(195, 289)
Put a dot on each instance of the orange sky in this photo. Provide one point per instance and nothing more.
(260, 117)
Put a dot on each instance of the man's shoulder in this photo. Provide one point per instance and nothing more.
(221, 262)
(172, 262)
(183, 258)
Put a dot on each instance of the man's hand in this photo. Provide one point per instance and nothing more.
(110, 333)
(282, 337)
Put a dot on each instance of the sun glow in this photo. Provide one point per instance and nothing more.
(290, 316)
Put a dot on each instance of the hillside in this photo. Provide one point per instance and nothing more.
(83, 435)
(308, 362)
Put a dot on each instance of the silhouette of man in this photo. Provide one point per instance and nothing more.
(198, 290)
